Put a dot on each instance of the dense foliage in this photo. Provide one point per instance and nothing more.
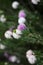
(32, 37)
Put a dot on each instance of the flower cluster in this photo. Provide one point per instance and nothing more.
(16, 33)
(31, 57)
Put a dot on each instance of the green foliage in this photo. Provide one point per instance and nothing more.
(32, 37)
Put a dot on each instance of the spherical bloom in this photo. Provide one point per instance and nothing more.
(16, 36)
(32, 59)
(12, 58)
(22, 14)
(35, 1)
(29, 52)
(18, 31)
(15, 4)
(21, 20)
(21, 27)
(2, 46)
(2, 18)
(8, 34)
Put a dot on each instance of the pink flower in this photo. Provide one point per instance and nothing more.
(21, 27)
(22, 14)
(12, 58)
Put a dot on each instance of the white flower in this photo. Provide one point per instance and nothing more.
(12, 58)
(35, 1)
(28, 53)
(15, 4)
(32, 59)
(2, 46)
(16, 36)
(2, 18)
(18, 31)
(21, 20)
(8, 34)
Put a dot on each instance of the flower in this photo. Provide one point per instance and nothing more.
(22, 14)
(35, 1)
(29, 52)
(18, 31)
(15, 4)
(21, 20)
(32, 59)
(21, 27)
(16, 36)
(2, 46)
(8, 34)
(2, 18)
(12, 58)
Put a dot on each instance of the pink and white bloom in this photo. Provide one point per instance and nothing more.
(14, 59)
(29, 52)
(21, 27)
(32, 59)
(22, 14)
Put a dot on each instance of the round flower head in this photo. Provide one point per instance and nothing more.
(35, 1)
(12, 58)
(22, 14)
(15, 35)
(15, 4)
(2, 18)
(29, 52)
(8, 34)
(21, 27)
(32, 59)
(2, 46)
(21, 20)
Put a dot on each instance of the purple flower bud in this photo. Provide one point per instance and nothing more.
(21, 27)
(22, 14)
